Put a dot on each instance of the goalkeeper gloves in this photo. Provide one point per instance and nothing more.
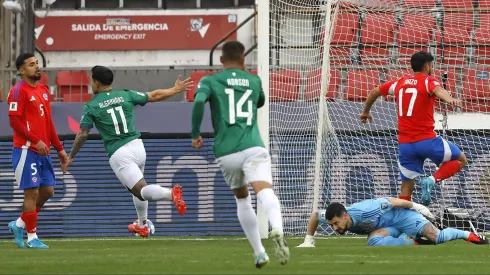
(309, 242)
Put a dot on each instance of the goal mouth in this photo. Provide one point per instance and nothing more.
(338, 51)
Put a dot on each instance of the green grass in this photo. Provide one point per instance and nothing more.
(234, 256)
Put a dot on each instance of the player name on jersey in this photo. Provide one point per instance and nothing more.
(111, 101)
(238, 82)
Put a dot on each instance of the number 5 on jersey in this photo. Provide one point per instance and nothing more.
(239, 106)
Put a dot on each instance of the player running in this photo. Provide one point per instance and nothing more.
(415, 97)
(234, 96)
(34, 132)
(388, 222)
(112, 112)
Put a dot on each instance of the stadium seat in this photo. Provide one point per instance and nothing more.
(482, 54)
(476, 89)
(345, 29)
(72, 82)
(419, 21)
(458, 20)
(314, 82)
(419, 3)
(405, 52)
(453, 55)
(378, 28)
(457, 4)
(485, 4)
(284, 85)
(375, 56)
(360, 83)
(339, 55)
(77, 97)
(196, 77)
(397, 74)
(44, 79)
(416, 29)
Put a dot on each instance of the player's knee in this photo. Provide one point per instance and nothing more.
(49, 193)
(374, 241)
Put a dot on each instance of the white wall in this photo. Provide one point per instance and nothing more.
(61, 59)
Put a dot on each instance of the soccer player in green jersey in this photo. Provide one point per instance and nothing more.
(234, 96)
(112, 112)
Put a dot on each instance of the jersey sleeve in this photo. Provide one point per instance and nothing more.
(388, 88)
(87, 120)
(16, 102)
(321, 216)
(138, 98)
(375, 208)
(204, 86)
(431, 83)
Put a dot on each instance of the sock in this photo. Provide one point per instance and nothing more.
(447, 170)
(272, 208)
(38, 209)
(450, 234)
(30, 219)
(155, 192)
(142, 210)
(407, 198)
(20, 223)
(248, 221)
(389, 241)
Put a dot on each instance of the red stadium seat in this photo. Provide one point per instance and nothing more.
(458, 4)
(77, 97)
(360, 83)
(476, 90)
(345, 29)
(458, 20)
(482, 54)
(44, 79)
(419, 21)
(375, 56)
(453, 55)
(406, 52)
(397, 74)
(419, 3)
(456, 36)
(314, 82)
(196, 77)
(378, 28)
(72, 82)
(416, 29)
(485, 4)
(339, 55)
(284, 85)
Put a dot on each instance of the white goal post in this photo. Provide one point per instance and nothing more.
(338, 51)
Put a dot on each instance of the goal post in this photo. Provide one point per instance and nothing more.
(337, 51)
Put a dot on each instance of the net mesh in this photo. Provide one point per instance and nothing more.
(370, 42)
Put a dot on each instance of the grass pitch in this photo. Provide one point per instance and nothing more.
(158, 255)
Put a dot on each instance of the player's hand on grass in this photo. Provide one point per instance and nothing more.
(366, 117)
(197, 143)
(42, 148)
(183, 85)
(305, 244)
(62, 156)
(64, 166)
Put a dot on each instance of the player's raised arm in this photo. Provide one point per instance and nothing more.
(162, 94)
(385, 89)
(444, 95)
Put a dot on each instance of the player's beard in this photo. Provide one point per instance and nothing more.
(35, 77)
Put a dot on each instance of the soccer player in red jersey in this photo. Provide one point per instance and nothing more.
(34, 132)
(415, 97)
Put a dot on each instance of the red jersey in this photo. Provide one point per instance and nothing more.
(31, 104)
(415, 102)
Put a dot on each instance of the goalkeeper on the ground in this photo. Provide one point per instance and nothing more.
(387, 222)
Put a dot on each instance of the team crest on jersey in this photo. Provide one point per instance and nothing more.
(45, 96)
(34, 179)
(384, 206)
(13, 106)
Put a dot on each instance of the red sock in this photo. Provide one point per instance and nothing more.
(407, 198)
(38, 209)
(447, 170)
(30, 219)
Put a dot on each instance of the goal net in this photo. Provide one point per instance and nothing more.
(338, 51)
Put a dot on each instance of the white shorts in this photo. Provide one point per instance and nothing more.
(128, 163)
(242, 168)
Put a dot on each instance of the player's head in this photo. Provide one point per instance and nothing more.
(338, 218)
(28, 66)
(233, 53)
(421, 62)
(102, 78)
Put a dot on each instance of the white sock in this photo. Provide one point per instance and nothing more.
(272, 208)
(31, 236)
(248, 220)
(142, 210)
(20, 223)
(155, 192)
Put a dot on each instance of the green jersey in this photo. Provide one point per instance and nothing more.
(234, 96)
(112, 113)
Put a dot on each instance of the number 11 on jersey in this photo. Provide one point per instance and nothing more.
(239, 106)
(116, 123)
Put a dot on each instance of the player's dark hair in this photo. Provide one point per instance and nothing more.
(233, 51)
(419, 60)
(103, 74)
(21, 59)
(335, 210)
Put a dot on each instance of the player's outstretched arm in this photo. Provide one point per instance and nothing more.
(444, 95)
(310, 233)
(399, 203)
(162, 94)
(77, 145)
(197, 116)
(372, 97)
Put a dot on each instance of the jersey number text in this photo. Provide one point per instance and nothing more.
(239, 106)
(114, 119)
(412, 91)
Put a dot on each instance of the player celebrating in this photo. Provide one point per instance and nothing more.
(34, 132)
(234, 96)
(388, 222)
(415, 97)
(112, 112)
